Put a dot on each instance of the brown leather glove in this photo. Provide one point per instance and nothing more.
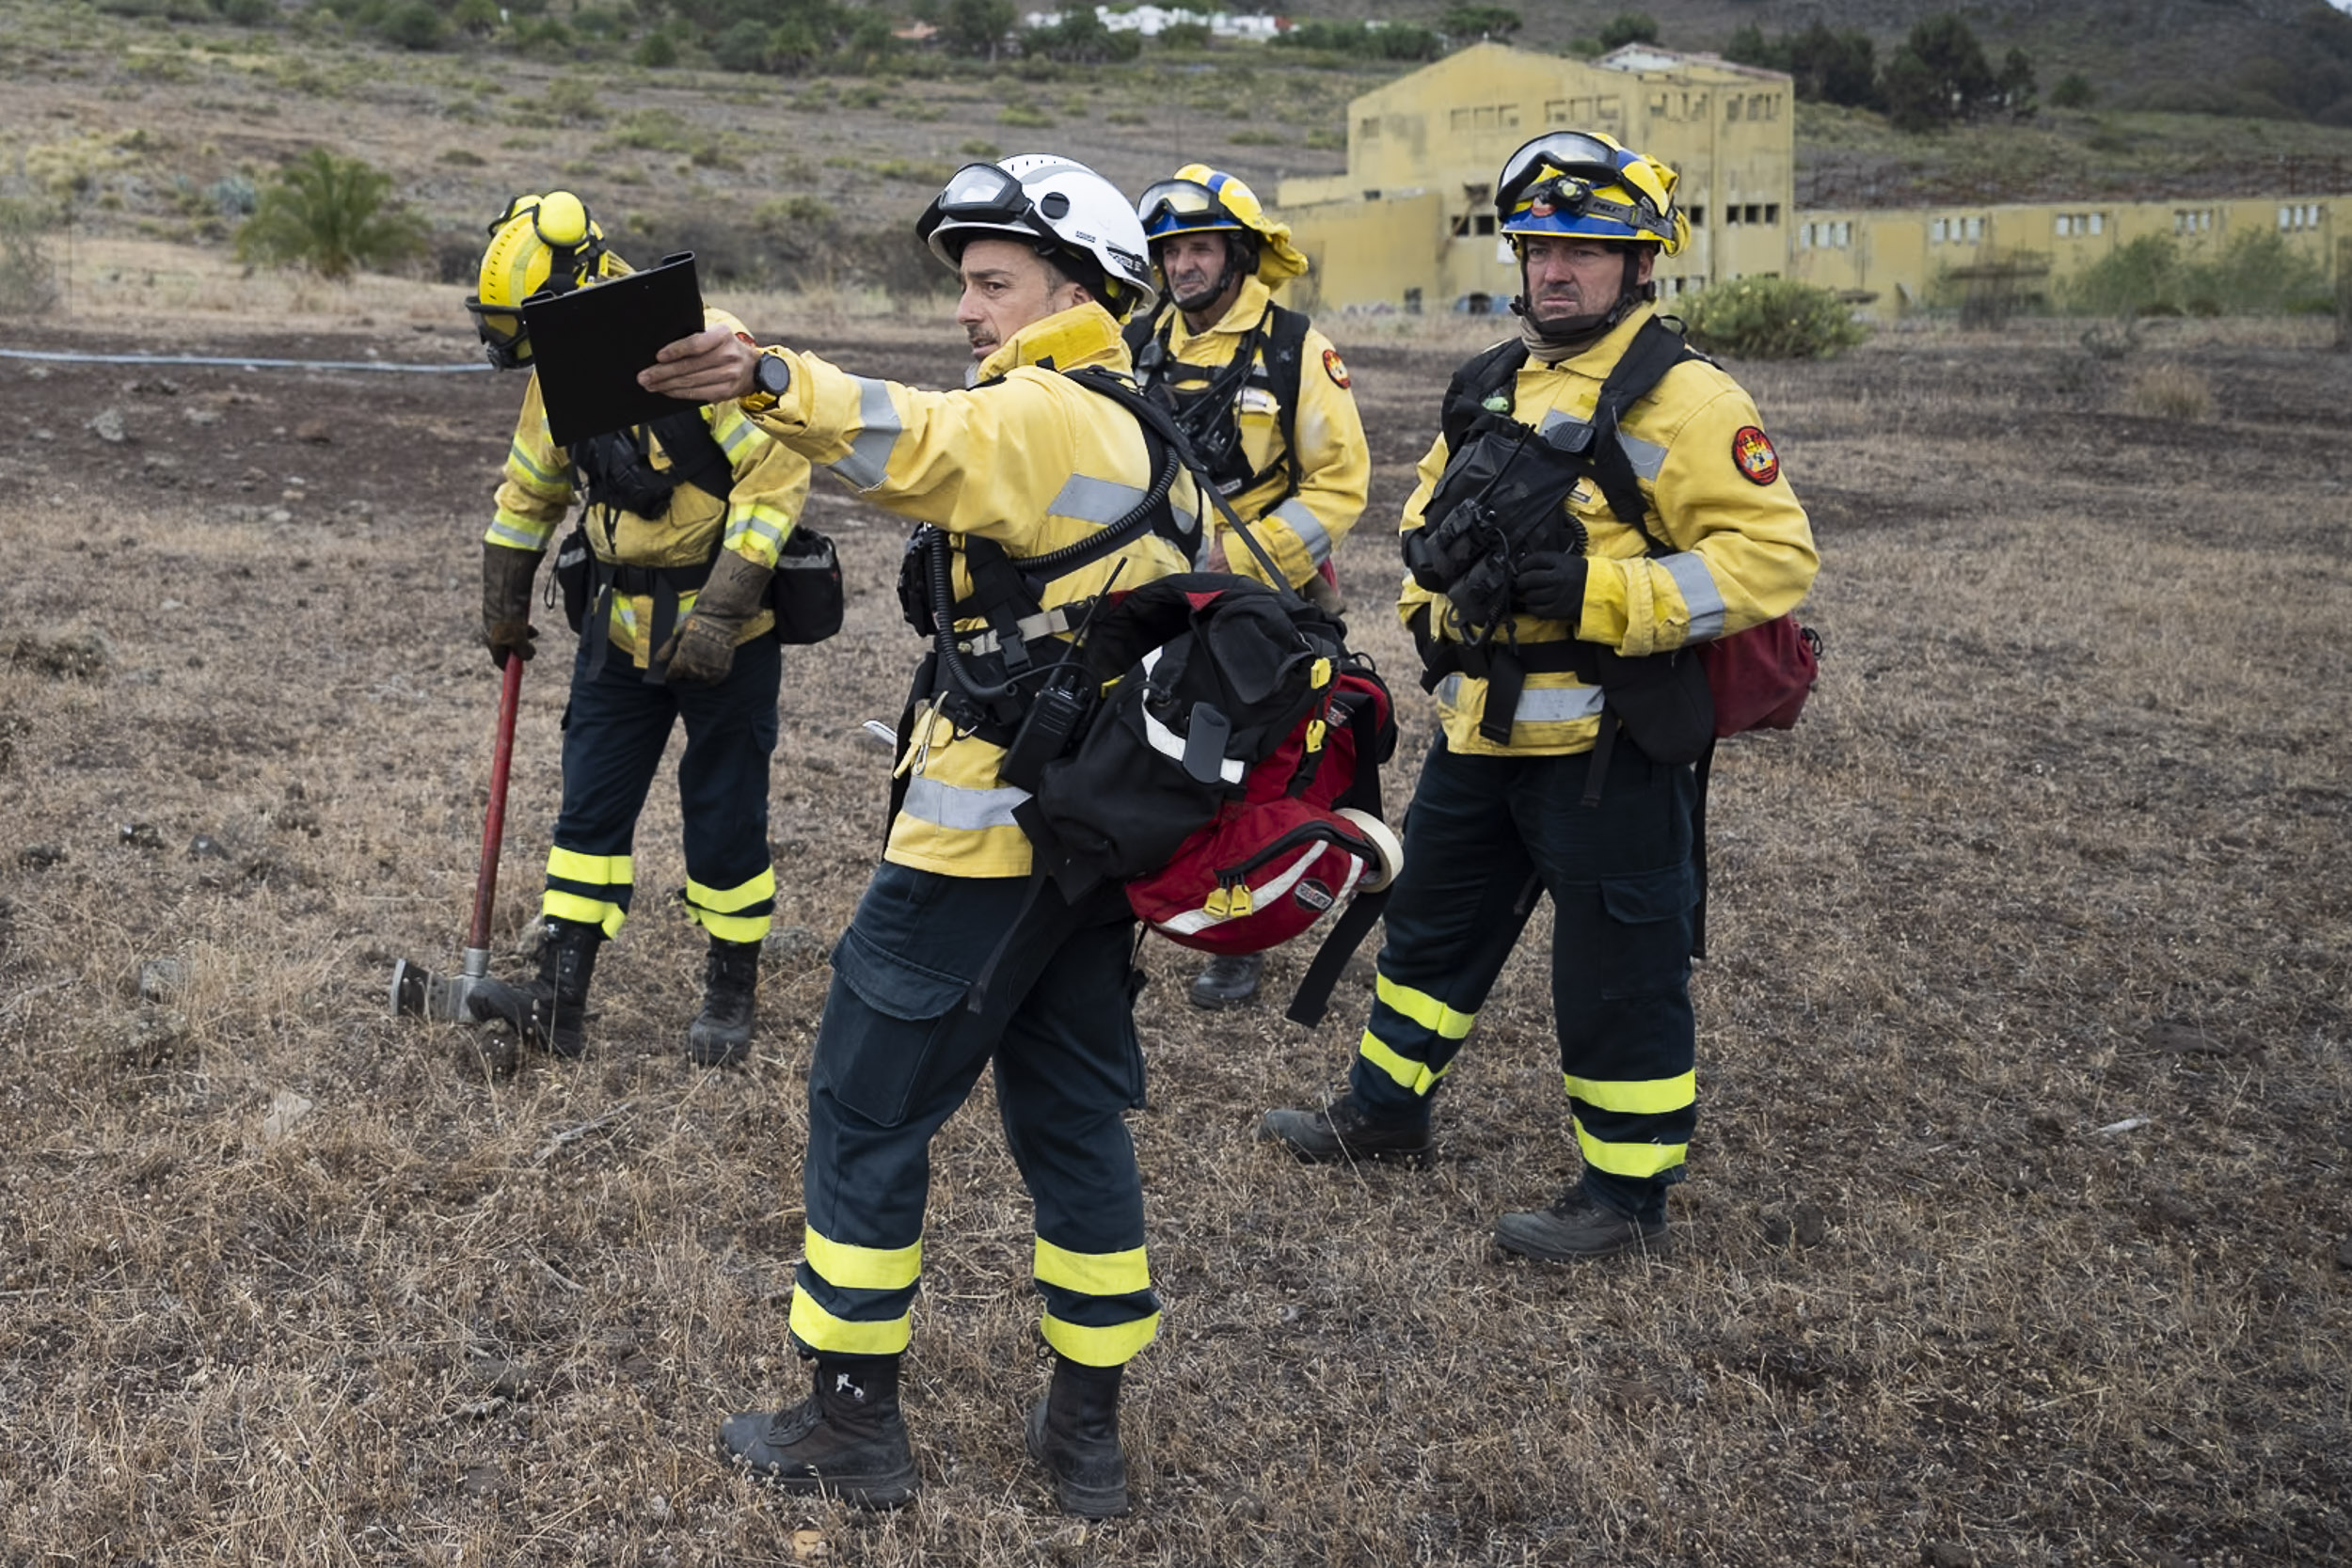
(506, 575)
(701, 651)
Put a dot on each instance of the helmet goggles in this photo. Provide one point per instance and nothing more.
(1575, 182)
(1182, 207)
(982, 196)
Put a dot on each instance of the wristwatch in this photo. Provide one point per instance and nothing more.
(771, 378)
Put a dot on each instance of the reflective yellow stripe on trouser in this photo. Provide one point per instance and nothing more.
(593, 890)
(1100, 1308)
(723, 911)
(1412, 1036)
(870, 1289)
(1604, 1106)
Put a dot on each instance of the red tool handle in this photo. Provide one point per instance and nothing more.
(485, 884)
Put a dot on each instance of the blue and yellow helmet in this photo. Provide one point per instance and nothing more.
(1583, 182)
(1198, 199)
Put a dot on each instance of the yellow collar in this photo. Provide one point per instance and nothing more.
(1082, 335)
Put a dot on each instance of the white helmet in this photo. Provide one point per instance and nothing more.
(1064, 209)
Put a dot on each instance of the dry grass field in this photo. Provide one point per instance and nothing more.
(2019, 1231)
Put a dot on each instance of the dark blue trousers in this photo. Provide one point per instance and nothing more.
(613, 734)
(1485, 836)
(901, 1048)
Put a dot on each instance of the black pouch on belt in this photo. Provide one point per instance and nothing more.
(1663, 701)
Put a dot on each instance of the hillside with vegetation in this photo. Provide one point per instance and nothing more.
(787, 141)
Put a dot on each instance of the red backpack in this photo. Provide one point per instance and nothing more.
(1229, 778)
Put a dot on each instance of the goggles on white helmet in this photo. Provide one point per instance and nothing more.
(1063, 208)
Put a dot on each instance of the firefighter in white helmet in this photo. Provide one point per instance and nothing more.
(1264, 399)
(1600, 502)
(957, 959)
(682, 524)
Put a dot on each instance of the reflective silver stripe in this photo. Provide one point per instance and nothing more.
(512, 530)
(1556, 704)
(1309, 529)
(1030, 626)
(1648, 457)
(734, 432)
(947, 805)
(1705, 601)
(760, 522)
(518, 457)
(868, 462)
(1095, 500)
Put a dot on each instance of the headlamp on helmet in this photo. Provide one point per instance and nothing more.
(1577, 182)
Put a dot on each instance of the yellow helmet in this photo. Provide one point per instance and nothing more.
(1587, 183)
(541, 245)
(1202, 200)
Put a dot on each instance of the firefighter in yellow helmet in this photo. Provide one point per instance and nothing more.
(1036, 494)
(1264, 397)
(670, 566)
(1600, 502)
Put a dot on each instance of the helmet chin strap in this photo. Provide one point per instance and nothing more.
(1584, 330)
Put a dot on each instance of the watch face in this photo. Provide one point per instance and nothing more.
(772, 375)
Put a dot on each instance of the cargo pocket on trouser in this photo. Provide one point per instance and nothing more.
(1645, 946)
(875, 1057)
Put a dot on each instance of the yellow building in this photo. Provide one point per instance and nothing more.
(1411, 224)
(1892, 260)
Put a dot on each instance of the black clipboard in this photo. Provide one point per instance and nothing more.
(588, 346)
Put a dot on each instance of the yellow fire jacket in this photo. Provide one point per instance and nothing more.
(1711, 486)
(1027, 458)
(771, 489)
(1334, 463)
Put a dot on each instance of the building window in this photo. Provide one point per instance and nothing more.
(1751, 212)
(1698, 215)
(1804, 236)
(1658, 105)
(2098, 222)
(1731, 213)
(1368, 128)
(2064, 227)
(1976, 228)
(2303, 215)
(1844, 233)
(1731, 107)
(1936, 232)
(1612, 107)
(1771, 211)
(1485, 223)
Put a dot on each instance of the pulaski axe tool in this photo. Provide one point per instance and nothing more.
(417, 991)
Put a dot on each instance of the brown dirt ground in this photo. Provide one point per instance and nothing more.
(2018, 1226)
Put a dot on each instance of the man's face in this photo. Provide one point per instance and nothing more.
(1194, 265)
(1568, 276)
(1006, 286)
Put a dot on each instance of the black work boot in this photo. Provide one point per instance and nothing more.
(1230, 980)
(845, 1440)
(550, 1009)
(722, 1036)
(1074, 1431)
(1346, 1131)
(1579, 1228)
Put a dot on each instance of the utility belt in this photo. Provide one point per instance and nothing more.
(589, 584)
(1505, 667)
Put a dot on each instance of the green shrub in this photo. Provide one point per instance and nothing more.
(658, 51)
(1024, 117)
(29, 284)
(573, 99)
(1771, 318)
(415, 25)
(2256, 273)
(1185, 35)
(249, 13)
(331, 215)
(652, 131)
(2072, 91)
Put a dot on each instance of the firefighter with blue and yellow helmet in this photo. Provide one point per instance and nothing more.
(682, 525)
(1600, 502)
(1263, 396)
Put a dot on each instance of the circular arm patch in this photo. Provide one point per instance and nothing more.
(1754, 456)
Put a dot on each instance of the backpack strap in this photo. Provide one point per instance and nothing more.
(1476, 381)
(1656, 349)
(1157, 419)
(696, 454)
(1285, 358)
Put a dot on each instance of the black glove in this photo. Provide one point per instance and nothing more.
(1550, 583)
